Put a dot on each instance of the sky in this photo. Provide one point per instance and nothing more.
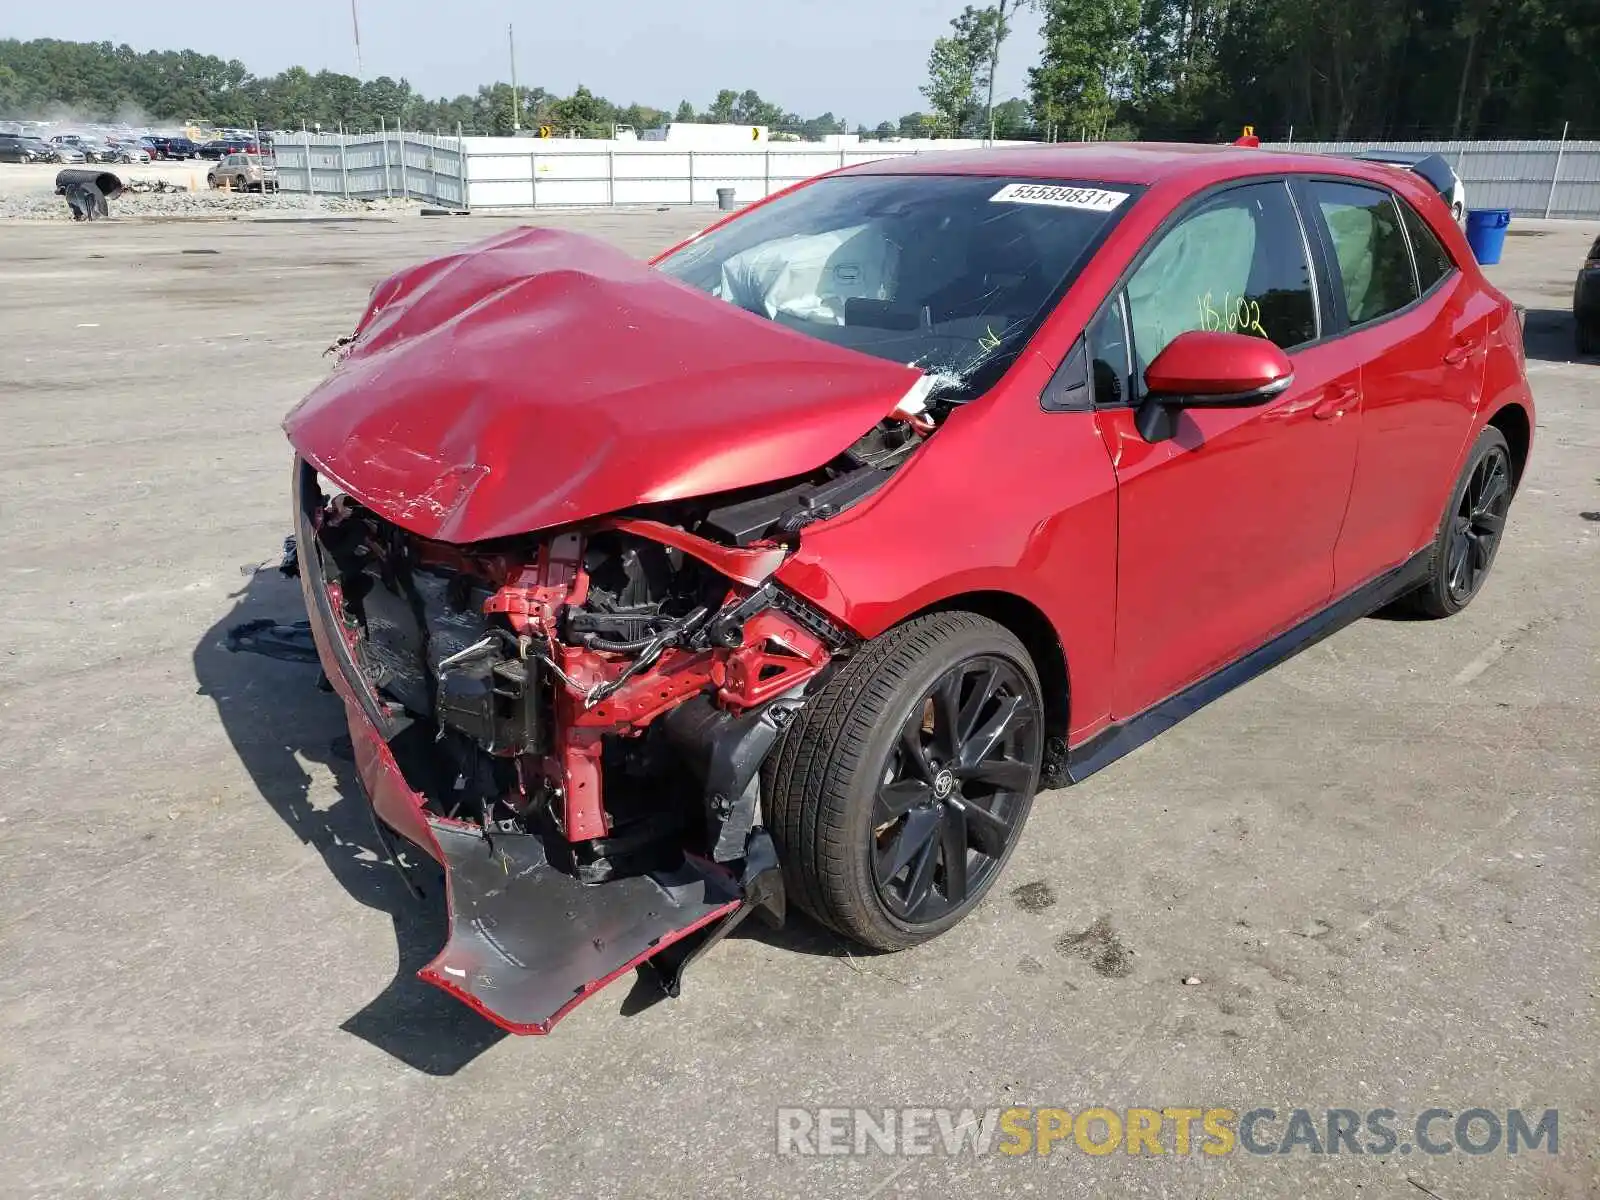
(862, 60)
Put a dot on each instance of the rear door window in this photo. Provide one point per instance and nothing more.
(1371, 256)
(1433, 260)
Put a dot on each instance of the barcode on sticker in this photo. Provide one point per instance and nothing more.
(1093, 199)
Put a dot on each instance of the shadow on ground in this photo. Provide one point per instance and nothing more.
(1551, 335)
(278, 720)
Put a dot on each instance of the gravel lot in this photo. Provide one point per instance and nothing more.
(1378, 862)
(27, 192)
(39, 179)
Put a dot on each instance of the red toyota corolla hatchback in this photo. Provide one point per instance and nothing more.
(791, 566)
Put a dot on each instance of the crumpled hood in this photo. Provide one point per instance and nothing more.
(543, 377)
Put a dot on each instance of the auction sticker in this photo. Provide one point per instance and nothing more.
(1093, 199)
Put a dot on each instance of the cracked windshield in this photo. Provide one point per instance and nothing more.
(950, 274)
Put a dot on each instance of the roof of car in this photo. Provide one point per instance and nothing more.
(1119, 162)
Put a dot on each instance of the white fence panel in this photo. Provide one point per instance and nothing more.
(1561, 179)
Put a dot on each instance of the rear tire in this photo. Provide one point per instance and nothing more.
(897, 796)
(1469, 534)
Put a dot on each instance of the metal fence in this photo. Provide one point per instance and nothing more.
(503, 175)
(1531, 178)
(418, 166)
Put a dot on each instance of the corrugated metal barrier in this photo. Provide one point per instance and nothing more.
(1550, 178)
(1532, 179)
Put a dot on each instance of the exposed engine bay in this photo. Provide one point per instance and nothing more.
(614, 687)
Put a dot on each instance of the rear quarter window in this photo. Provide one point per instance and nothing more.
(1433, 260)
(1371, 255)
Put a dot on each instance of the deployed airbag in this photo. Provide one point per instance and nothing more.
(813, 278)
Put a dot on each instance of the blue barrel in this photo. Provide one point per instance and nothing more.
(1486, 233)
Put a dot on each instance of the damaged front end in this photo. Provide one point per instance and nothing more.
(540, 504)
(573, 723)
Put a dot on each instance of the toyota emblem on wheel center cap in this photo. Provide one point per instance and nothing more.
(943, 783)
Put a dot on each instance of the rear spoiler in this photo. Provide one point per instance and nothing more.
(1431, 167)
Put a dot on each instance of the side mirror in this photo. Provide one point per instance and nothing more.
(1209, 369)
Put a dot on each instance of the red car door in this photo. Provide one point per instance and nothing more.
(1226, 532)
(1420, 329)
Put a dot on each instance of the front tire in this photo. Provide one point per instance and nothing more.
(898, 795)
(1469, 534)
(1587, 336)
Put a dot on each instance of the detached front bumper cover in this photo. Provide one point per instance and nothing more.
(527, 940)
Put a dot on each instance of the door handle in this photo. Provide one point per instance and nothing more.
(1335, 404)
(1457, 354)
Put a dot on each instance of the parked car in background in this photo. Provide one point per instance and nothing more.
(246, 171)
(17, 149)
(1586, 302)
(92, 149)
(171, 147)
(127, 152)
(828, 539)
(218, 147)
(60, 152)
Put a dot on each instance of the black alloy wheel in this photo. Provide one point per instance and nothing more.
(1469, 533)
(1479, 520)
(957, 783)
(896, 796)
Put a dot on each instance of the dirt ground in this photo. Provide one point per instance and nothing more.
(1378, 862)
(39, 179)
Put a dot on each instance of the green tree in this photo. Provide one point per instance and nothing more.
(584, 113)
(751, 109)
(1000, 30)
(685, 111)
(958, 66)
(642, 116)
(1087, 67)
(722, 108)
(1011, 119)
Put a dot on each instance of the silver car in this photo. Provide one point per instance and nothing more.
(245, 173)
(129, 152)
(62, 152)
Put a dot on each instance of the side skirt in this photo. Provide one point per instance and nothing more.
(1111, 744)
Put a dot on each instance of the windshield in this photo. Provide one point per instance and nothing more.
(949, 273)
